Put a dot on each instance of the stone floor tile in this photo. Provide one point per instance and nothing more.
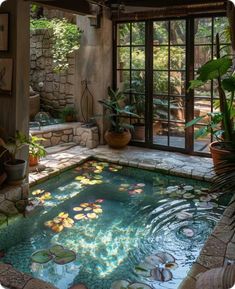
(223, 232)
(196, 269)
(38, 284)
(4, 268)
(210, 261)
(214, 247)
(14, 279)
(230, 253)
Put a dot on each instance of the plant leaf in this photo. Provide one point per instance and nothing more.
(41, 257)
(64, 257)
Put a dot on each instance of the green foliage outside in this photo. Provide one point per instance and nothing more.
(66, 39)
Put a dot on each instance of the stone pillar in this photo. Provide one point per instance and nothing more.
(14, 110)
(94, 63)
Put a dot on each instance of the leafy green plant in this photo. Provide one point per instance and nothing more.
(14, 145)
(68, 111)
(66, 39)
(138, 105)
(116, 110)
(35, 148)
(221, 122)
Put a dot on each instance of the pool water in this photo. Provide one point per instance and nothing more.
(126, 223)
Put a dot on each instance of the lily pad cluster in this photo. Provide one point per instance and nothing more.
(88, 210)
(57, 253)
(201, 197)
(41, 195)
(135, 189)
(97, 167)
(157, 267)
(123, 284)
(60, 222)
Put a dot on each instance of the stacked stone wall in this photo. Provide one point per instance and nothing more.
(56, 89)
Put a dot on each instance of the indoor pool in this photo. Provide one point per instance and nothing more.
(114, 223)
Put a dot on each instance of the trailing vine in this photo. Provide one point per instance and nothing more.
(66, 39)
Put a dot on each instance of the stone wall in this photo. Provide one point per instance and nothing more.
(13, 200)
(56, 89)
(71, 132)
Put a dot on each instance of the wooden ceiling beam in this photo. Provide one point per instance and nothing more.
(160, 3)
(74, 6)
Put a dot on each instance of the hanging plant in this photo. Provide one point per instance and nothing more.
(65, 38)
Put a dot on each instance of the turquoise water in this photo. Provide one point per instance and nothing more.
(137, 217)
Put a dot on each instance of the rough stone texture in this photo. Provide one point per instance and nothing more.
(58, 88)
(38, 284)
(70, 132)
(8, 208)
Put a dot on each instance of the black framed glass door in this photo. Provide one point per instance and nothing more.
(154, 62)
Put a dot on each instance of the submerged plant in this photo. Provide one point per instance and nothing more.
(60, 222)
(57, 253)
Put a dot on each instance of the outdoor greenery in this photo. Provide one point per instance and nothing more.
(65, 39)
(116, 110)
(221, 122)
(35, 147)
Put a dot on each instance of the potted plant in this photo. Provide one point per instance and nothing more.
(36, 150)
(139, 109)
(15, 168)
(68, 114)
(118, 136)
(221, 122)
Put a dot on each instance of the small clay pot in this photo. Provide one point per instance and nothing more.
(117, 140)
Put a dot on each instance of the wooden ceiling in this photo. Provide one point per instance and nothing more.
(131, 6)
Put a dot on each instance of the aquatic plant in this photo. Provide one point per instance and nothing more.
(88, 210)
(60, 222)
(134, 189)
(41, 195)
(157, 267)
(57, 253)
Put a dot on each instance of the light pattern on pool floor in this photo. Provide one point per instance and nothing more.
(117, 220)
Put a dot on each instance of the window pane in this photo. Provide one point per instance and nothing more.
(160, 82)
(202, 107)
(201, 143)
(178, 32)
(160, 32)
(177, 57)
(221, 26)
(138, 58)
(160, 58)
(177, 83)
(123, 37)
(123, 58)
(138, 81)
(138, 33)
(203, 31)
(123, 80)
(202, 55)
(177, 109)
(160, 108)
(177, 135)
(203, 91)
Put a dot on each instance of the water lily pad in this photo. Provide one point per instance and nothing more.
(171, 266)
(140, 185)
(87, 209)
(205, 205)
(183, 215)
(57, 228)
(78, 209)
(41, 257)
(188, 188)
(64, 257)
(188, 196)
(139, 286)
(63, 215)
(205, 198)
(166, 257)
(38, 192)
(161, 274)
(92, 216)
(56, 249)
(98, 210)
(84, 205)
(120, 284)
(79, 217)
(154, 260)
(79, 178)
(188, 232)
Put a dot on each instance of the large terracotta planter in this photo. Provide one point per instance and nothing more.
(219, 153)
(117, 140)
(139, 132)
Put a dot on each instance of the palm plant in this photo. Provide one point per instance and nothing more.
(221, 122)
(116, 110)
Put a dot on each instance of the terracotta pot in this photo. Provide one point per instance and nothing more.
(69, 118)
(218, 153)
(139, 132)
(33, 160)
(117, 140)
(218, 278)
